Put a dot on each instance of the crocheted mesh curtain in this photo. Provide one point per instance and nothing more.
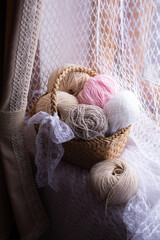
(122, 38)
(113, 37)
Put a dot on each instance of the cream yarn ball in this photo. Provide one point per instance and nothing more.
(122, 110)
(72, 83)
(113, 181)
(87, 121)
(65, 102)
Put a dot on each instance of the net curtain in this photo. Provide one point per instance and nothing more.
(19, 198)
(117, 42)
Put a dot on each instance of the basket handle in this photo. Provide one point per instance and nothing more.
(63, 75)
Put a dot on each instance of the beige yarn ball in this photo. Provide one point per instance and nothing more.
(113, 181)
(65, 102)
(72, 83)
(87, 121)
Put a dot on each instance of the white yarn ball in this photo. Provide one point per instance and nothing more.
(122, 110)
(113, 181)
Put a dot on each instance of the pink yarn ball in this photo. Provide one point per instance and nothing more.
(98, 90)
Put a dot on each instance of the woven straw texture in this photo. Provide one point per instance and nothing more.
(81, 152)
(87, 153)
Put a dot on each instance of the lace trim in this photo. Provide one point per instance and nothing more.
(49, 151)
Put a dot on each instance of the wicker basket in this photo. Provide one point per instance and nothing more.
(86, 153)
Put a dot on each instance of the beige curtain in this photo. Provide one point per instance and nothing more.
(19, 196)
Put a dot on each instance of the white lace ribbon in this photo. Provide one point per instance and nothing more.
(49, 150)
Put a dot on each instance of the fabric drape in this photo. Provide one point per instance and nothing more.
(18, 188)
(6, 217)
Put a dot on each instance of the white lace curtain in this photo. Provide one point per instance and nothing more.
(121, 38)
(118, 37)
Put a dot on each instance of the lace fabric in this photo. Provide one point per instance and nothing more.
(141, 214)
(75, 204)
(124, 42)
(49, 151)
(20, 60)
(72, 201)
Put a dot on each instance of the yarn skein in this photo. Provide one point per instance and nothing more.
(122, 110)
(72, 83)
(113, 181)
(65, 102)
(98, 90)
(87, 121)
